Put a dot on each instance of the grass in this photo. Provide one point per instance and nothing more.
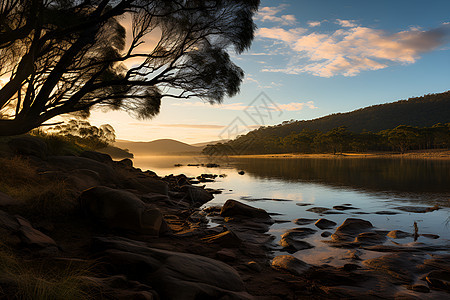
(36, 195)
(22, 279)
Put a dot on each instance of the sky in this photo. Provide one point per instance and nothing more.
(310, 59)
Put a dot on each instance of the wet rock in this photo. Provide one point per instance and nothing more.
(304, 221)
(401, 268)
(100, 157)
(225, 239)
(173, 275)
(417, 209)
(439, 279)
(29, 145)
(233, 208)
(300, 232)
(291, 264)
(325, 234)
(353, 225)
(303, 204)
(418, 288)
(122, 210)
(291, 241)
(370, 238)
(398, 234)
(325, 223)
(318, 210)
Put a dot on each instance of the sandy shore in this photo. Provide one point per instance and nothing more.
(440, 154)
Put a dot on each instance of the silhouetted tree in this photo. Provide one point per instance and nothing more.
(67, 56)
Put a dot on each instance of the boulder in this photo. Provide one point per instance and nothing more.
(6, 200)
(225, 239)
(370, 238)
(29, 145)
(122, 210)
(146, 184)
(8, 222)
(33, 238)
(291, 241)
(439, 279)
(325, 223)
(353, 225)
(233, 208)
(126, 162)
(174, 275)
(196, 196)
(226, 255)
(100, 157)
(291, 264)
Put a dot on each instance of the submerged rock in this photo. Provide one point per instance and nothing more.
(318, 210)
(398, 234)
(417, 209)
(304, 221)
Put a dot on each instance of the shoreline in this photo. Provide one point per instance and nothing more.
(438, 154)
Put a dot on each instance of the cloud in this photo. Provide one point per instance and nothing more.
(230, 106)
(314, 23)
(350, 50)
(268, 14)
(296, 106)
(346, 23)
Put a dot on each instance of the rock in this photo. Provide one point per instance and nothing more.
(126, 162)
(196, 196)
(318, 210)
(325, 223)
(6, 200)
(401, 268)
(241, 172)
(439, 279)
(343, 207)
(34, 238)
(303, 221)
(291, 264)
(226, 255)
(253, 265)
(325, 234)
(119, 287)
(100, 157)
(418, 288)
(370, 238)
(386, 212)
(417, 209)
(353, 225)
(147, 184)
(303, 204)
(83, 179)
(122, 210)
(233, 208)
(174, 275)
(398, 234)
(430, 236)
(353, 255)
(29, 145)
(300, 232)
(225, 239)
(291, 242)
(8, 222)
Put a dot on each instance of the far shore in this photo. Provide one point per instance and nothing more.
(441, 154)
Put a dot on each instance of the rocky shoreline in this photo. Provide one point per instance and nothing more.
(150, 239)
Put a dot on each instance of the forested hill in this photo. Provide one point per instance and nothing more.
(420, 111)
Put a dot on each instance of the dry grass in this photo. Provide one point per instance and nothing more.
(36, 196)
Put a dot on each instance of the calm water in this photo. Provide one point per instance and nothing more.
(371, 185)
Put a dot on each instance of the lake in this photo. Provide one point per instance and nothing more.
(290, 186)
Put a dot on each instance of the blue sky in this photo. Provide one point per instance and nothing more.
(313, 58)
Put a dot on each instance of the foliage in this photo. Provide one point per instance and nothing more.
(64, 57)
(337, 140)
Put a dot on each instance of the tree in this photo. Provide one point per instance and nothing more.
(64, 57)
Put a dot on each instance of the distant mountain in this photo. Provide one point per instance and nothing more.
(163, 146)
(209, 143)
(420, 111)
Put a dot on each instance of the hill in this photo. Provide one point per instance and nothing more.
(162, 146)
(420, 111)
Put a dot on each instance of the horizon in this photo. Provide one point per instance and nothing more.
(311, 60)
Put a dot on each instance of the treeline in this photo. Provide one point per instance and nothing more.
(421, 111)
(337, 140)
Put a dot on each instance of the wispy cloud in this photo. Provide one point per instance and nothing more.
(297, 106)
(314, 23)
(352, 48)
(268, 14)
(293, 106)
